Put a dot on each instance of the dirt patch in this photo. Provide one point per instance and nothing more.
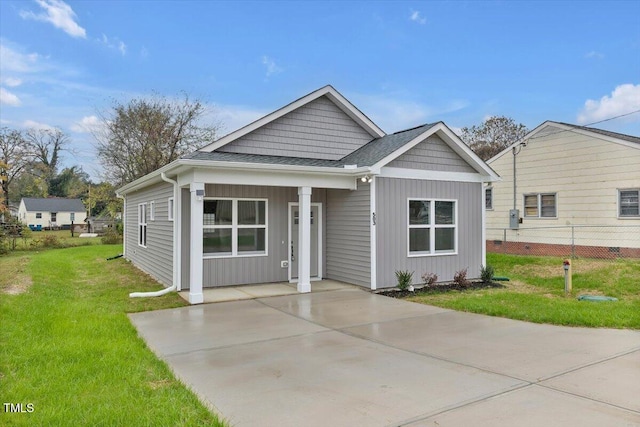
(438, 289)
(15, 280)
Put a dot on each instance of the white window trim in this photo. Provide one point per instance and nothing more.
(152, 211)
(619, 206)
(170, 208)
(539, 197)
(234, 226)
(432, 226)
(142, 222)
(488, 188)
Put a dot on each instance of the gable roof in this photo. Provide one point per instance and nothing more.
(340, 101)
(619, 138)
(54, 204)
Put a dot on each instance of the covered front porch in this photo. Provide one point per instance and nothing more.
(264, 290)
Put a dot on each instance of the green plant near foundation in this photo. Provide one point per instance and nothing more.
(405, 279)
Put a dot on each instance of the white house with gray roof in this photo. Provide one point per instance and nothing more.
(52, 212)
(312, 190)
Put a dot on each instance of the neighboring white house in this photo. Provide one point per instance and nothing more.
(51, 212)
(313, 190)
(576, 187)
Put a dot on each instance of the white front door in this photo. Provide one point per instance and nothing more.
(294, 217)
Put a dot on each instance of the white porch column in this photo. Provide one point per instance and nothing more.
(195, 256)
(304, 239)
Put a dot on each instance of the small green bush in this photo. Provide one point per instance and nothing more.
(487, 273)
(405, 279)
(460, 278)
(111, 237)
(429, 279)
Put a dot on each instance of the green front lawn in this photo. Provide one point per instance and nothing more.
(68, 348)
(535, 292)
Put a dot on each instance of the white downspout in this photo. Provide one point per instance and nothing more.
(174, 286)
(124, 223)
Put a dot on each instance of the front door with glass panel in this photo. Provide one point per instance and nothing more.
(294, 220)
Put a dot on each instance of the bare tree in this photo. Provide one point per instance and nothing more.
(46, 145)
(15, 156)
(493, 135)
(145, 134)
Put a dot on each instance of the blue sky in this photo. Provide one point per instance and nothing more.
(401, 63)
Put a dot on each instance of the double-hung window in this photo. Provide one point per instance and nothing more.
(629, 203)
(432, 227)
(540, 205)
(142, 224)
(170, 208)
(152, 211)
(488, 198)
(235, 227)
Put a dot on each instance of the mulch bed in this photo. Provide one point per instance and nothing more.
(439, 288)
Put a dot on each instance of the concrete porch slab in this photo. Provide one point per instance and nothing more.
(263, 290)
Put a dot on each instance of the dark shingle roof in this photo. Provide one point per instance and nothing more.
(367, 155)
(53, 205)
(622, 136)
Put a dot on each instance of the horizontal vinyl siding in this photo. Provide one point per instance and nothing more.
(348, 235)
(391, 229)
(432, 154)
(258, 269)
(585, 173)
(157, 258)
(318, 130)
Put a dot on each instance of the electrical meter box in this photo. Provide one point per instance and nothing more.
(514, 219)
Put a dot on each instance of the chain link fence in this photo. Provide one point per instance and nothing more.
(571, 241)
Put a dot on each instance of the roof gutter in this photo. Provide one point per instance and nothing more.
(176, 249)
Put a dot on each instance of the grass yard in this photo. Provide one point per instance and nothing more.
(68, 348)
(535, 292)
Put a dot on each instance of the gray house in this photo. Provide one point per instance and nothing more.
(313, 190)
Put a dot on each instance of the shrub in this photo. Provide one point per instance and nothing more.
(51, 241)
(460, 278)
(111, 237)
(487, 273)
(405, 279)
(429, 279)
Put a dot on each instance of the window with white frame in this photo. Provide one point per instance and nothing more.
(432, 227)
(142, 224)
(540, 205)
(72, 216)
(629, 203)
(38, 215)
(234, 227)
(170, 208)
(488, 198)
(152, 211)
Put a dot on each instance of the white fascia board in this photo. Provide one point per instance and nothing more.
(524, 138)
(453, 141)
(431, 175)
(328, 90)
(150, 178)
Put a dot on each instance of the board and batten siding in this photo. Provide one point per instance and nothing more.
(585, 172)
(432, 154)
(392, 224)
(319, 130)
(348, 250)
(250, 269)
(156, 258)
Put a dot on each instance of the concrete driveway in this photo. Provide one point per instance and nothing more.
(351, 358)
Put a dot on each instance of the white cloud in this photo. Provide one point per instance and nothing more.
(114, 43)
(8, 98)
(14, 61)
(594, 55)
(11, 81)
(624, 99)
(31, 124)
(271, 66)
(59, 14)
(416, 16)
(87, 124)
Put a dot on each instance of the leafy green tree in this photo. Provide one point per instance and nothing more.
(72, 182)
(493, 135)
(145, 134)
